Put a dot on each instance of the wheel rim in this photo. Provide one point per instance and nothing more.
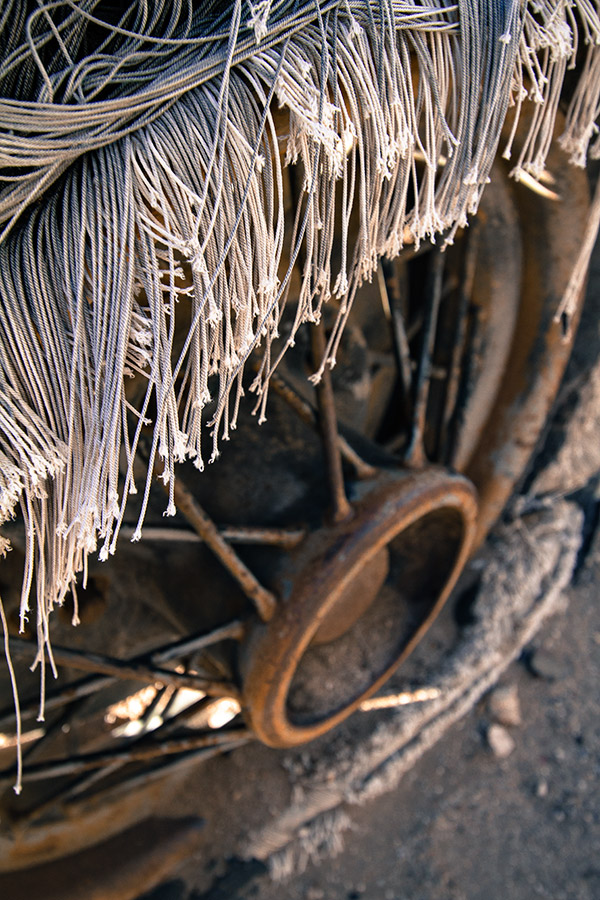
(338, 605)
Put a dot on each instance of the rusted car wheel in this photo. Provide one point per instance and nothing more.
(320, 578)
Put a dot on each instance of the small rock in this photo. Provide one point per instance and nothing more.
(500, 742)
(545, 665)
(390, 894)
(541, 788)
(504, 706)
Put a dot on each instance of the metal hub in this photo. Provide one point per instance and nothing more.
(361, 594)
(354, 597)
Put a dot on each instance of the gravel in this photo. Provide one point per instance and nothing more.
(500, 741)
(504, 706)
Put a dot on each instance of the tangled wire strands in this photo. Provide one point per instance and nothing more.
(141, 185)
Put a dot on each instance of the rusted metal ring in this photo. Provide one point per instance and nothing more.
(293, 690)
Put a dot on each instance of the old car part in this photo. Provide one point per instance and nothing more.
(324, 649)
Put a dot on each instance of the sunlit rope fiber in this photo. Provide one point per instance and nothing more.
(140, 173)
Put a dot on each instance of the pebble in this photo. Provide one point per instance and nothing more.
(500, 741)
(541, 788)
(504, 706)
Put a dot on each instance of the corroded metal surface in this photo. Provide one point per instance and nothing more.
(551, 233)
(434, 512)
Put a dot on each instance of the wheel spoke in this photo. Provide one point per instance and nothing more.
(81, 785)
(77, 787)
(78, 764)
(133, 670)
(51, 730)
(162, 701)
(307, 414)
(391, 298)
(415, 454)
(264, 600)
(405, 698)
(91, 685)
(232, 631)
(328, 430)
(286, 538)
(66, 797)
(465, 292)
(177, 760)
(176, 722)
(72, 692)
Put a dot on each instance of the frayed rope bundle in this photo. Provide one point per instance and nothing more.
(141, 172)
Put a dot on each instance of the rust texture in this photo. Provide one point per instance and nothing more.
(320, 578)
